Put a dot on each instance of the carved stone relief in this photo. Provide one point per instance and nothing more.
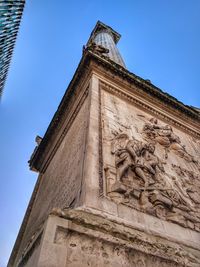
(149, 165)
(164, 135)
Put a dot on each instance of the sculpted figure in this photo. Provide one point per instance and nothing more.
(165, 136)
(127, 155)
(158, 133)
(150, 128)
(142, 181)
(190, 183)
(151, 161)
(123, 158)
(183, 198)
(137, 156)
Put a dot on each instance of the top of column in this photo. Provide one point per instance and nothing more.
(106, 37)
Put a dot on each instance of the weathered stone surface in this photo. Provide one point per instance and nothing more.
(78, 238)
(61, 183)
(153, 166)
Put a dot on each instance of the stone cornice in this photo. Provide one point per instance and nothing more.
(116, 231)
(146, 86)
(113, 231)
(153, 110)
(83, 70)
(74, 89)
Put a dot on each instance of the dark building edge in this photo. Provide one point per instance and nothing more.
(8, 39)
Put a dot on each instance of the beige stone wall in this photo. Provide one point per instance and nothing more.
(31, 259)
(60, 185)
(83, 250)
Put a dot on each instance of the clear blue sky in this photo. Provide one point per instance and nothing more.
(160, 41)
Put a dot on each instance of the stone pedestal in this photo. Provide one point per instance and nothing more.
(85, 237)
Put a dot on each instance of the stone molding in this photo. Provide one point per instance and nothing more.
(144, 85)
(101, 227)
(70, 118)
(131, 98)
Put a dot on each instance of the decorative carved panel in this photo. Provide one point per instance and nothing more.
(148, 164)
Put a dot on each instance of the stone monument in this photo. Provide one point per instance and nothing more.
(119, 173)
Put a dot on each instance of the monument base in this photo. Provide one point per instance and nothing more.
(74, 238)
